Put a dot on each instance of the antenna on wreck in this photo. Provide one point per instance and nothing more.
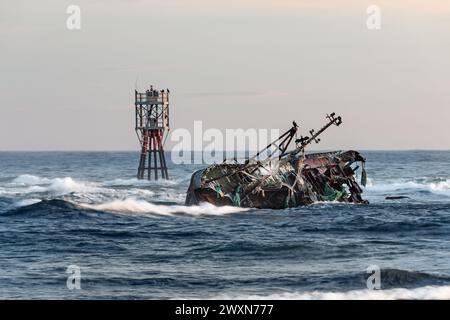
(285, 140)
(304, 141)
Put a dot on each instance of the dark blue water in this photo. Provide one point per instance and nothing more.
(136, 239)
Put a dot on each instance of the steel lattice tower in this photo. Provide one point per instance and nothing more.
(152, 123)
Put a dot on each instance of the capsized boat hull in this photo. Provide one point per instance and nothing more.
(279, 184)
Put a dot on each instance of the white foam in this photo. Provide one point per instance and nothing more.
(26, 202)
(15, 191)
(92, 192)
(436, 187)
(144, 207)
(140, 192)
(126, 182)
(37, 184)
(29, 180)
(68, 185)
(139, 182)
(441, 186)
(369, 182)
(171, 196)
(422, 293)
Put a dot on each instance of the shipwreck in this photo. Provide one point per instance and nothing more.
(283, 179)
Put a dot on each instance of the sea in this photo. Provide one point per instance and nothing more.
(79, 225)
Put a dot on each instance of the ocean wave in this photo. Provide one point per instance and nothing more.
(21, 191)
(108, 196)
(440, 186)
(26, 202)
(422, 293)
(68, 185)
(26, 184)
(29, 180)
(139, 182)
(39, 208)
(144, 207)
(125, 206)
(33, 184)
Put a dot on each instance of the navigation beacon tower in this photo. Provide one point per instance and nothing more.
(152, 126)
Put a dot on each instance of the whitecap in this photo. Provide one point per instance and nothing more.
(26, 202)
(29, 180)
(441, 187)
(140, 182)
(421, 293)
(68, 185)
(144, 207)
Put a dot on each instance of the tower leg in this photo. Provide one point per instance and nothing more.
(160, 153)
(162, 157)
(149, 166)
(141, 169)
(154, 154)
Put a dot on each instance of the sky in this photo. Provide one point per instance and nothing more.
(232, 64)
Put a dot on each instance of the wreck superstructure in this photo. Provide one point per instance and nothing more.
(287, 179)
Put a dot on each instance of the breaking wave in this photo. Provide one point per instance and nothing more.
(440, 186)
(137, 182)
(144, 207)
(29, 180)
(124, 190)
(68, 185)
(422, 293)
(26, 202)
(29, 186)
(117, 196)
(127, 206)
(33, 184)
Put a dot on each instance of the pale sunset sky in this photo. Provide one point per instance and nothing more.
(230, 63)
